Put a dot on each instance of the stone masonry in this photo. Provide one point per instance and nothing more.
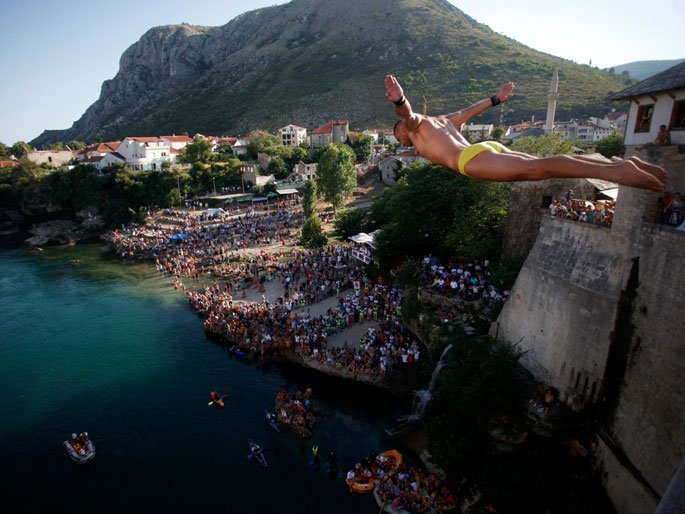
(599, 313)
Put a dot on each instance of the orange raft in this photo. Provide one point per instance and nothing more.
(360, 487)
(394, 456)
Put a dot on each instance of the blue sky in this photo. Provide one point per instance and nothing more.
(55, 54)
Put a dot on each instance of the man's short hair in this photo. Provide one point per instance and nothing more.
(394, 129)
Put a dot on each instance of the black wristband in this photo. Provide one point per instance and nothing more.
(495, 100)
(400, 101)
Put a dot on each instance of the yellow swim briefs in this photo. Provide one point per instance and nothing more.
(470, 152)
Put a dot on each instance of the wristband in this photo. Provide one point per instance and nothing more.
(495, 100)
(401, 101)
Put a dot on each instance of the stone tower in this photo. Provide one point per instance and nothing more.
(552, 102)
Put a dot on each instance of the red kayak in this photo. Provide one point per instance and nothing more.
(216, 398)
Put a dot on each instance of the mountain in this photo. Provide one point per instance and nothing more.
(644, 69)
(310, 61)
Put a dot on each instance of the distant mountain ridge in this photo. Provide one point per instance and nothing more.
(641, 70)
(309, 61)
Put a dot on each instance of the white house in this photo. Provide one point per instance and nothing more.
(97, 150)
(145, 153)
(477, 131)
(389, 167)
(177, 142)
(108, 160)
(658, 100)
(292, 135)
(240, 146)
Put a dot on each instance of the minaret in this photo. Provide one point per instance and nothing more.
(552, 102)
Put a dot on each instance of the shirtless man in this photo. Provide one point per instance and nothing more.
(437, 139)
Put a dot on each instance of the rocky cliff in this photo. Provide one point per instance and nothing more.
(309, 61)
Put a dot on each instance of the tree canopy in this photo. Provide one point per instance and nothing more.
(543, 146)
(434, 210)
(361, 144)
(337, 174)
(611, 145)
(200, 150)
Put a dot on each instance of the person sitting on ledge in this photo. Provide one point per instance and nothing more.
(437, 139)
(663, 137)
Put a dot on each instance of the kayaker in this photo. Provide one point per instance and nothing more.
(315, 456)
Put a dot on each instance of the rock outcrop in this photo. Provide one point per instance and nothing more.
(65, 231)
(309, 61)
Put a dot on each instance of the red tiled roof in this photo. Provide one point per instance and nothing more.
(111, 146)
(8, 163)
(174, 150)
(178, 139)
(144, 139)
(327, 128)
(228, 140)
(615, 115)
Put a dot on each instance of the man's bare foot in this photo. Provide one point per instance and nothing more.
(660, 173)
(629, 174)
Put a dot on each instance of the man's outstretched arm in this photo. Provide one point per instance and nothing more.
(505, 92)
(395, 94)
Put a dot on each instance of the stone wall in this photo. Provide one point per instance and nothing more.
(562, 308)
(599, 313)
(649, 423)
(526, 210)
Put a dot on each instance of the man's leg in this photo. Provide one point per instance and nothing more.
(511, 166)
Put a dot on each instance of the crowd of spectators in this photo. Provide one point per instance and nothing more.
(469, 281)
(402, 487)
(296, 411)
(203, 244)
(599, 213)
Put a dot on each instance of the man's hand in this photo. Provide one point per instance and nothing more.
(393, 90)
(506, 91)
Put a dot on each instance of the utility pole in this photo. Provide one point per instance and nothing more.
(178, 183)
(214, 184)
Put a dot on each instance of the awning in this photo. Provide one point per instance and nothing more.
(287, 191)
(362, 238)
(178, 237)
(611, 193)
(602, 185)
(244, 198)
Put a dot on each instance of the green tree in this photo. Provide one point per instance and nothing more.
(312, 234)
(337, 174)
(349, 222)
(478, 385)
(200, 150)
(76, 146)
(309, 200)
(224, 152)
(293, 155)
(20, 149)
(433, 210)
(361, 144)
(4, 151)
(543, 146)
(611, 145)
(278, 168)
(263, 142)
(498, 133)
(57, 146)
